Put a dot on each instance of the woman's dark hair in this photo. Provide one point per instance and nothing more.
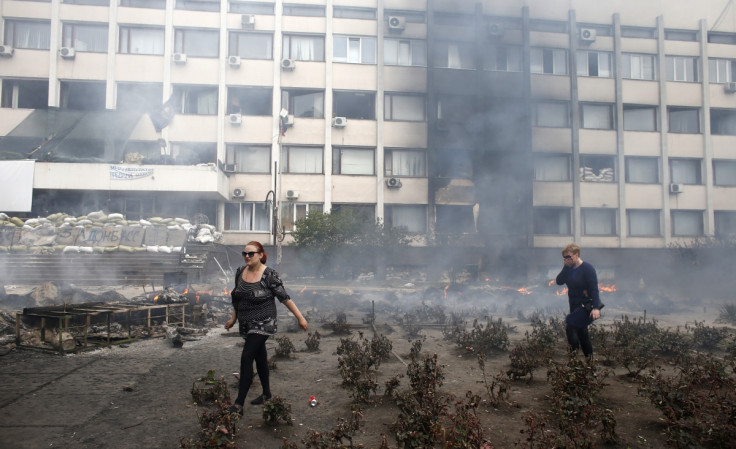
(264, 256)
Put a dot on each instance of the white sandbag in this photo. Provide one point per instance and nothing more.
(3, 216)
(164, 249)
(96, 215)
(71, 249)
(152, 249)
(115, 217)
(86, 249)
(175, 228)
(181, 220)
(145, 222)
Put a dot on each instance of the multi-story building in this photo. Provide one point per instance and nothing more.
(505, 128)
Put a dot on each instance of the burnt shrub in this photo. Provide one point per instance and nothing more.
(706, 337)
(277, 410)
(312, 341)
(208, 389)
(358, 362)
(497, 388)
(218, 429)
(285, 348)
(532, 353)
(484, 339)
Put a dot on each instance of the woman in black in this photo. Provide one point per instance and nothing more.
(256, 287)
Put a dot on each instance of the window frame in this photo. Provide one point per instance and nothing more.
(69, 31)
(413, 47)
(602, 168)
(239, 44)
(233, 157)
(540, 223)
(245, 100)
(10, 34)
(124, 42)
(586, 215)
(291, 214)
(724, 172)
(674, 213)
(546, 124)
(541, 159)
(631, 160)
(678, 70)
(644, 215)
(585, 106)
(345, 104)
(389, 162)
(694, 171)
(628, 123)
(286, 159)
(182, 35)
(183, 92)
(627, 66)
(289, 96)
(549, 55)
(16, 90)
(318, 40)
(688, 128)
(493, 56)
(340, 154)
(364, 51)
(389, 109)
(390, 210)
(586, 68)
(721, 75)
(255, 218)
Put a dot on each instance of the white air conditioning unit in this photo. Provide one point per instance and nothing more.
(587, 34)
(67, 52)
(6, 51)
(180, 58)
(494, 29)
(289, 120)
(248, 21)
(287, 64)
(235, 119)
(396, 23)
(238, 193)
(730, 88)
(393, 183)
(229, 168)
(233, 61)
(292, 194)
(676, 188)
(339, 122)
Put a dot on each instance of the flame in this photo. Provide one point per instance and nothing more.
(445, 291)
(155, 298)
(523, 291)
(607, 288)
(302, 290)
(488, 279)
(551, 283)
(186, 291)
(561, 292)
(197, 299)
(227, 292)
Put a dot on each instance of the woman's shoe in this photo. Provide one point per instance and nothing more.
(261, 399)
(235, 408)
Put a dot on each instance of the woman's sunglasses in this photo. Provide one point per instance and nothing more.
(250, 253)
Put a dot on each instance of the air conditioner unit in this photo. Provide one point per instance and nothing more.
(396, 23)
(6, 51)
(289, 120)
(730, 88)
(587, 34)
(248, 21)
(180, 58)
(235, 119)
(393, 183)
(292, 194)
(238, 193)
(67, 52)
(233, 61)
(339, 122)
(676, 188)
(494, 29)
(229, 168)
(287, 64)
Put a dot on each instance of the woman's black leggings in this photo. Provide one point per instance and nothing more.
(578, 337)
(254, 349)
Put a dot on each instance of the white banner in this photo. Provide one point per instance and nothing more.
(121, 172)
(16, 185)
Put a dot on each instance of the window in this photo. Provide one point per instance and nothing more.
(552, 221)
(637, 66)
(304, 10)
(249, 158)
(454, 55)
(549, 60)
(594, 63)
(724, 173)
(304, 48)
(687, 223)
(247, 216)
(723, 122)
(304, 103)
(346, 12)
(353, 161)
(405, 52)
(453, 163)
(251, 8)
(251, 45)
(139, 97)
(193, 153)
(454, 19)
(454, 108)
(502, 58)
(552, 114)
(356, 50)
(83, 95)
(685, 171)
(597, 168)
(639, 32)
(196, 100)
(25, 94)
(640, 118)
(85, 37)
(89, 2)
(681, 35)
(596, 116)
(402, 162)
(249, 100)
(722, 70)
(643, 223)
(721, 38)
(355, 105)
(725, 224)
(291, 213)
(141, 41)
(404, 107)
(548, 26)
(642, 170)
(409, 16)
(552, 168)
(155, 4)
(365, 211)
(296, 159)
(684, 120)
(454, 219)
(199, 5)
(682, 68)
(413, 218)
(599, 221)
(28, 34)
(197, 43)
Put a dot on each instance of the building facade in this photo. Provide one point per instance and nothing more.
(499, 127)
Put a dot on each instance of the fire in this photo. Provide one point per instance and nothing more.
(607, 288)
(197, 296)
(226, 291)
(155, 298)
(551, 283)
(523, 291)
(561, 292)
(445, 291)
(302, 290)
(186, 291)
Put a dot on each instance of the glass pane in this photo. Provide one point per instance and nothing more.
(640, 119)
(644, 223)
(356, 162)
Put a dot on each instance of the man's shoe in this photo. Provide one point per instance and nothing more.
(235, 408)
(261, 399)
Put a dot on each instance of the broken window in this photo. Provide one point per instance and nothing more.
(291, 213)
(193, 153)
(404, 107)
(687, 223)
(83, 95)
(642, 170)
(552, 114)
(197, 43)
(685, 171)
(412, 218)
(452, 163)
(356, 50)
(355, 105)
(725, 223)
(596, 116)
(643, 223)
(85, 37)
(405, 52)
(723, 122)
(552, 168)
(594, 63)
(597, 168)
(502, 58)
(455, 108)
(249, 101)
(724, 173)
(25, 94)
(249, 158)
(598, 221)
(141, 40)
(247, 216)
(304, 47)
(251, 45)
(303, 103)
(30, 34)
(353, 161)
(454, 219)
(640, 118)
(682, 68)
(198, 5)
(552, 61)
(196, 100)
(403, 162)
(684, 120)
(140, 97)
(298, 159)
(454, 55)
